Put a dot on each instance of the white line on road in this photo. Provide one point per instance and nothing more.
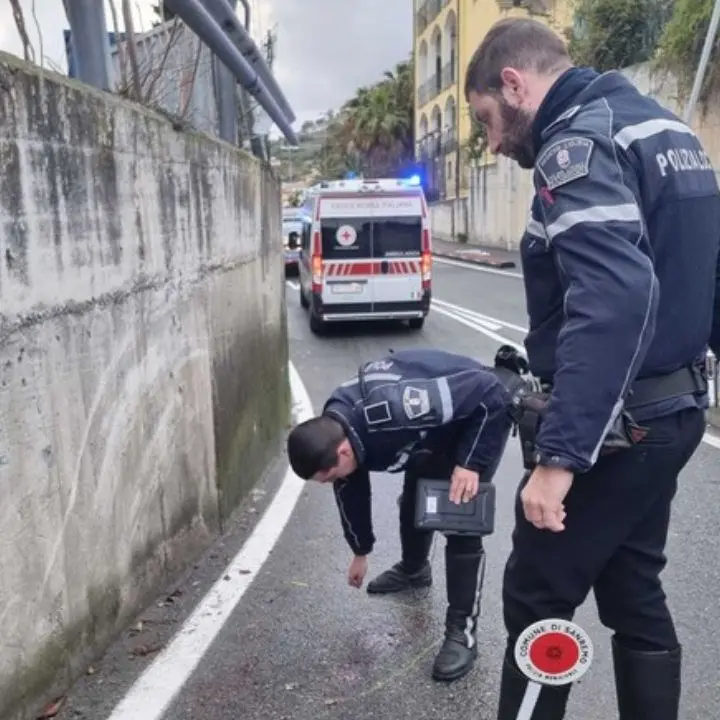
(708, 437)
(293, 285)
(479, 268)
(479, 317)
(477, 327)
(152, 693)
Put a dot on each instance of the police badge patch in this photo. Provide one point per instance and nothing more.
(565, 161)
(416, 402)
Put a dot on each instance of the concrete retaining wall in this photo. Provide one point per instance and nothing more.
(143, 356)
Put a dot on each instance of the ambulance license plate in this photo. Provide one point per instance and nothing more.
(346, 288)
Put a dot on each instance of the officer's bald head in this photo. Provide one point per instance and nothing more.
(518, 43)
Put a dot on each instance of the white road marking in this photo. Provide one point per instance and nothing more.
(466, 319)
(293, 284)
(154, 691)
(477, 327)
(479, 317)
(479, 268)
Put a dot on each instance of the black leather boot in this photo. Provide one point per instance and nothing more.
(397, 579)
(464, 573)
(648, 684)
(414, 570)
(550, 704)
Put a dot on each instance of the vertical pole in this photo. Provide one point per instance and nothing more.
(225, 90)
(704, 59)
(90, 42)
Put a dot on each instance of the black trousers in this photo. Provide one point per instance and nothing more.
(613, 543)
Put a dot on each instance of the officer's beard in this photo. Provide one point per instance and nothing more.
(517, 143)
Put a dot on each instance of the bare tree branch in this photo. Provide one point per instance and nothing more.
(28, 49)
(39, 32)
(131, 49)
(174, 34)
(188, 98)
(121, 47)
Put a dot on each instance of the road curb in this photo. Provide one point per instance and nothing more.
(504, 264)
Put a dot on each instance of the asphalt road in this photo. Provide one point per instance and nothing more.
(302, 645)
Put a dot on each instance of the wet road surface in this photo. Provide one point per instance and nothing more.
(302, 645)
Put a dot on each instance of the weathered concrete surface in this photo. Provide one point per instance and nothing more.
(142, 365)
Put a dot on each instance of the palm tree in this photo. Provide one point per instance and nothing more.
(376, 125)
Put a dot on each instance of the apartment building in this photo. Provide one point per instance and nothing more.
(446, 34)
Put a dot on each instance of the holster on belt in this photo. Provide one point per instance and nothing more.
(530, 400)
(528, 410)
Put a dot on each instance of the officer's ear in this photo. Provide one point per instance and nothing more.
(514, 86)
(344, 450)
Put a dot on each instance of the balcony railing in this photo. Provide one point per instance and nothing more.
(448, 141)
(437, 144)
(434, 85)
(448, 75)
(423, 94)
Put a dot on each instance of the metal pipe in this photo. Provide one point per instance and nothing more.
(704, 59)
(90, 42)
(225, 91)
(201, 22)
(246, 5)
(228, 21)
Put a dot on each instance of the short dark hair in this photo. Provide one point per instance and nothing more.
(520, 43)
(312, 445)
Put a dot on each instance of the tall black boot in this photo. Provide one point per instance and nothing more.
(413, 571)
(464, 575)
(648, 684)
(550, 704)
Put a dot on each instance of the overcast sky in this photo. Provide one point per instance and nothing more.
(326, 48)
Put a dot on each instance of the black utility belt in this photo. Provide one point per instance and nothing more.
(529, 407)
(688, 380)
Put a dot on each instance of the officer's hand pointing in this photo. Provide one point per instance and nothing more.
(543, 495)
(357, 571)
(464, 485)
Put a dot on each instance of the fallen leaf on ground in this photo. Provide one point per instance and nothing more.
(52, 709)
(143, 650)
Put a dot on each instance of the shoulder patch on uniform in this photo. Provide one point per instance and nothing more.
(564, 161)
(416, 402)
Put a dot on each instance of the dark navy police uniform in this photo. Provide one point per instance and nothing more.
(619, 261)
(423, 412)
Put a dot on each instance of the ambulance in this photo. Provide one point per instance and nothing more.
(365, 252)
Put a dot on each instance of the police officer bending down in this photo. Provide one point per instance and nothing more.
(619, 262)
(431, 414)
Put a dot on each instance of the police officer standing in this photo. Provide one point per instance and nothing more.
(619, 262)
(432, 414)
